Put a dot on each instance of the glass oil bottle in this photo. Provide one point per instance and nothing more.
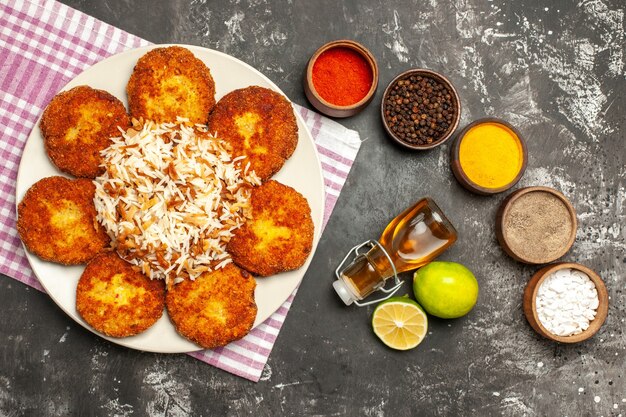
(412, 239)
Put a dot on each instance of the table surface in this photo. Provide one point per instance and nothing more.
(554, 69)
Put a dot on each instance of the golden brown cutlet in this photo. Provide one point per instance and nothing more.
(78, 124)
(117, 300)
(258, 123)
(215, 309)
(56, 220)
(170, 82)
(279, 237)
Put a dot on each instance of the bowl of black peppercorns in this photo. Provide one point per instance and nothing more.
(420, 109)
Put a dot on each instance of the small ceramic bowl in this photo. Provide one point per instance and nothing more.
(456, 108)
(331, 109)
(501, 232)
(457, 169)
(530, 297)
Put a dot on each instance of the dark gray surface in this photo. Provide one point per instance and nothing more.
(555, 69)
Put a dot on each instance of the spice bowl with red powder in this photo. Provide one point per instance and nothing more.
(341, 78)
(420, 109)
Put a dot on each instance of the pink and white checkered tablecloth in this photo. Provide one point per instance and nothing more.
(43, 45)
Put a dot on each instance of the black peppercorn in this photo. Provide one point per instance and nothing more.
(419, 109)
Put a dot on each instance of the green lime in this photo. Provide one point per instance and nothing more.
(400, 323)
(445, 289)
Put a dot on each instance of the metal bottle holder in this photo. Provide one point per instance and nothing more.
(391, 291)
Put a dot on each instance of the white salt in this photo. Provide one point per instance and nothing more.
(566, 302)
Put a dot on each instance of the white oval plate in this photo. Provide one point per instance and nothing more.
(302, 172)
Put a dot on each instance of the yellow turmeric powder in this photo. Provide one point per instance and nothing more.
(491, 155)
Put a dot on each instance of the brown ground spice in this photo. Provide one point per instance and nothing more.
(538, 226)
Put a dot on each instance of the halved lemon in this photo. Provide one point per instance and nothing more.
(400, 323)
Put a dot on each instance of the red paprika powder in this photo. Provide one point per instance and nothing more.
(342, 76)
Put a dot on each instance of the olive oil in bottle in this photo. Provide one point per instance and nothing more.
(412, 239)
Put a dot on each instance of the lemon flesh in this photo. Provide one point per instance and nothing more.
(400, 323)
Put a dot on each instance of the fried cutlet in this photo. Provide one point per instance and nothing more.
(117, 300)
(279, 236)
(170, 82)
(56, 220)
(258, 123)
(214, 309)
(77, 125)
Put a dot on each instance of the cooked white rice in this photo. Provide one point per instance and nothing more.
(171, 197)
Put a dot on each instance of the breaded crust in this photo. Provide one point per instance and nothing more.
(258, 123)
(115, 299)
(77, 125)
(56, 220)
(216, 308)
(170, 82)
(279, 237)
